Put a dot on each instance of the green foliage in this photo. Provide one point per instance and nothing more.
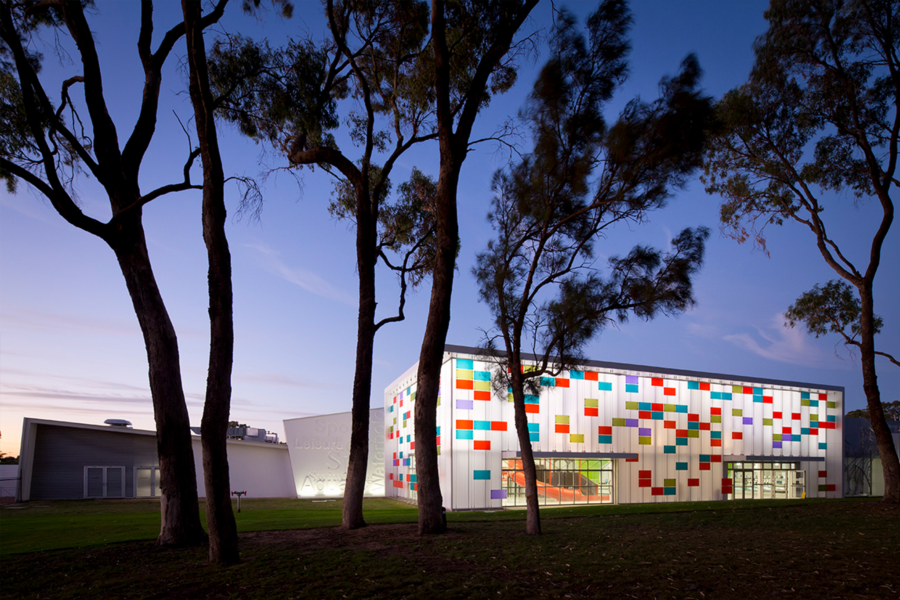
(538, 275)
(816, 115)
(831, 308)
(275, 95)
(891, 411)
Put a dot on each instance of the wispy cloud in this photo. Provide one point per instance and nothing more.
(285, 381)
(81, 381)
(44, 322)
(270, 260)
(36, 392)
(785, 344)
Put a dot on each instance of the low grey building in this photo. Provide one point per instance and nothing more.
(863, 473)
(61, 460)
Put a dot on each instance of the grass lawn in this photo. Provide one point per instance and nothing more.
(292, 548)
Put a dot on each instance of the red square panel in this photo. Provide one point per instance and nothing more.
(498, 425)
(482, 395)
(644, 414)
(562, 429)
(669, 424)
(412, 445)
(463, 384)
(715, 411)
(657, 491)
(632, 459)
(390, 475)
(748, 389)
(656, 382)
(560, 382)
(591, 376)
(823, 473)
(813, 431)
(604, 430)
(657, 407)
(668, 391)
(464, 424)
(704, 387)
(533, 408)
(737, 435)
(645, 474)
(692, 418)
(644, 483)
(591, 412)
(704, 426)
(681, 433)
(693, 482)
(823, 396)
(795, 416)
(715, 443)
(768, 399)
(726, 481)
(716, 458)
(776, 414)
(705, 466)
(785, 430)
(831, 487)
(481, 445)
(437, 440)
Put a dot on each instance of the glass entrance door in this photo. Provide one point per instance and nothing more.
(767, 480)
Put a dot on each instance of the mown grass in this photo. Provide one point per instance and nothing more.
(62, 524)
(806, 549)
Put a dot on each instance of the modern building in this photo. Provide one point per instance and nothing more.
(863, 471)
(320, 453)
(619, 433)
(61, 460)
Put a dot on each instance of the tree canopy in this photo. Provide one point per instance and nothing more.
(583, 178)
(819, 117)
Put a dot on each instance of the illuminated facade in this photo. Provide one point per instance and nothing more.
(617, 433)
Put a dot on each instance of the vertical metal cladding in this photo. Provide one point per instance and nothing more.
(680, 431)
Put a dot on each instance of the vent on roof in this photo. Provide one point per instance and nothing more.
(117, 423)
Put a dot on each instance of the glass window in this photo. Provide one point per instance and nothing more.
(561, 481)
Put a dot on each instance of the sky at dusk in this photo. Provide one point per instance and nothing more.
(71, 348)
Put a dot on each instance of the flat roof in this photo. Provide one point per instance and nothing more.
(661, 370)
(114, 429)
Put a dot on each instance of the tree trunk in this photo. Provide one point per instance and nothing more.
(428, 378)
(366, 254)
(179, 508)
(532, 513)
(223, 542)
(889, 461)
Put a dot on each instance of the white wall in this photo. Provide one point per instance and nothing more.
(262, 470)
(319, 450)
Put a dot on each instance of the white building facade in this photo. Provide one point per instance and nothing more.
(319, 448)
(617, 433)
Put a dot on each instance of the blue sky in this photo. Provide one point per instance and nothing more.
(71, 349)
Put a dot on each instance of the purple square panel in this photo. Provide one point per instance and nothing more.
(631, 379)
(498, 494)
(776, 444)
(643, 431)
(631, 422)
(748, 420)
(465, 404)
